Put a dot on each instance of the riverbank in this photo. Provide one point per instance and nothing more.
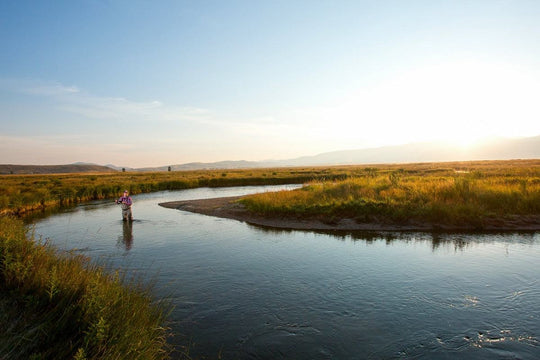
(59, 305)
(232, 208)
(21, 195)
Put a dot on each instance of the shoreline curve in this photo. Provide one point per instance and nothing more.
(230, 208)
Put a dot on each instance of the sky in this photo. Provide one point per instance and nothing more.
(151, 83)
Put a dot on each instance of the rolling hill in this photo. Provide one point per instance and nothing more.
(53, 169)
(492, 149)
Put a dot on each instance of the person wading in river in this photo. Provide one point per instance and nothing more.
(126, 202)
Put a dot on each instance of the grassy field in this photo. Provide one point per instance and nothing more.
(453, 191)
(60, 306)
(446, 193)
(23, 193)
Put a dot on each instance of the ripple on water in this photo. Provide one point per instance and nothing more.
(244, 293)
(505, 344)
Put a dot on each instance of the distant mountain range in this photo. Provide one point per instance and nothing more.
(493, 149)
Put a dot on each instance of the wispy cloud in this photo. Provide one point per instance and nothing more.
(36, 87)
(50, 90)
(72, 99)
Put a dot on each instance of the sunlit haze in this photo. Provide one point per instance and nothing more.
(139, 83)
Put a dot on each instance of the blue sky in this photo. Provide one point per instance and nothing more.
(148, 83)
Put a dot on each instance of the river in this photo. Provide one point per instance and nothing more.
(245, 292)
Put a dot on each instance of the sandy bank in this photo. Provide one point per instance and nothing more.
(228, 207)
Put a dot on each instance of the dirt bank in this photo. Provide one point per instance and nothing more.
(228, 207)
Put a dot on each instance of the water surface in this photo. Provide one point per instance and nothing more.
(245, 292)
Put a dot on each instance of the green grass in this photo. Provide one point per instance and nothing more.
(449, 194)
(24, 193)
(20, 194)
(61, 306)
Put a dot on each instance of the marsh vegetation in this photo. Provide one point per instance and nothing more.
(23, 193)
(424, 189)
(451, 193)
(59, 305)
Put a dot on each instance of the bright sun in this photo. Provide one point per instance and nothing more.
(471, 101)
(457, 103)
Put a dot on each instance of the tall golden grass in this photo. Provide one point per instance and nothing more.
(453, 195)
(423, 189)
(60, 306)
(23, 193)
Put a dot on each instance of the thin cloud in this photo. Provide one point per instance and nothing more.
(37, 87)
(51, 90)
(73, 100)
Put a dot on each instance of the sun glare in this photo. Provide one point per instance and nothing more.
(463, 140)
(457, 103)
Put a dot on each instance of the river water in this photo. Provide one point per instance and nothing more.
(246, 292)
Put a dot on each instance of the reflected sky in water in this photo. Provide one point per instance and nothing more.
(246, 292)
